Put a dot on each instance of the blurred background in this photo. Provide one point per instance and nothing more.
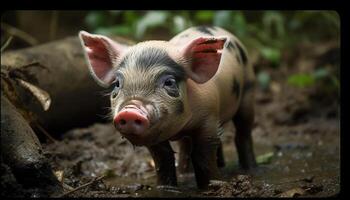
(296, 58)
(274, 38)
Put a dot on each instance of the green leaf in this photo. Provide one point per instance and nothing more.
(301, 80)
(264, 80)
(204, 16)
(265, 158)
(321, 73)
(271, 54)
(151, 19)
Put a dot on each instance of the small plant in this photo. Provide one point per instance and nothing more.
(322, 77)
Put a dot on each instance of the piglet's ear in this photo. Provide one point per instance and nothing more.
(101, 54)
(204, 54)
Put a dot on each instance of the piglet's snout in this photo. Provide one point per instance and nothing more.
(131, 120)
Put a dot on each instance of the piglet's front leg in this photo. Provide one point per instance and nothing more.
(164, 159)
(204, 156)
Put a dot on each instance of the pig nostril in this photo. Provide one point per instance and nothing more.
(138, 122)
(122, 122)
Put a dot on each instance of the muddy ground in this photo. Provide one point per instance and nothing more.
(296, 141)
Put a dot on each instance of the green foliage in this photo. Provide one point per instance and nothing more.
(231, 20)
(328, 80)
(96, 19)
(179, 24)
(264, 80)
(151, 19)
(222, 18)
(301, 80)
(322, 76)
(271, 54)
(114, 30)
(269, 32)
(273, 23)
(273, 29)
(135, 24)
(265, 158)
(204, 16)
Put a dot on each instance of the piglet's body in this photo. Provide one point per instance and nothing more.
(184, 89)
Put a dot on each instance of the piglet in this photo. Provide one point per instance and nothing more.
(184, 89)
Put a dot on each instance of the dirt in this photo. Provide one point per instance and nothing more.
(299, 140)
(296, 141)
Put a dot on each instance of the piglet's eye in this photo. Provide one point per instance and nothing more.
(114, 93)
(117, 86)
(170, 82)
(117, 83)
(170, 86)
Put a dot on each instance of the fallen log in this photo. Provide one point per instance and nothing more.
(22, 153)
(59, 69)
(47, 87)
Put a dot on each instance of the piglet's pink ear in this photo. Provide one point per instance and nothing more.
(204, 54)
(101, 54)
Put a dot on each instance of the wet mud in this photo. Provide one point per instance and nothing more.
(296, 141)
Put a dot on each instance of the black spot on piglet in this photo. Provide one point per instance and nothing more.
(249, 85)
(236, 88)
(242, 53)
(230, 46)
(150, 57)
(204, 29)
